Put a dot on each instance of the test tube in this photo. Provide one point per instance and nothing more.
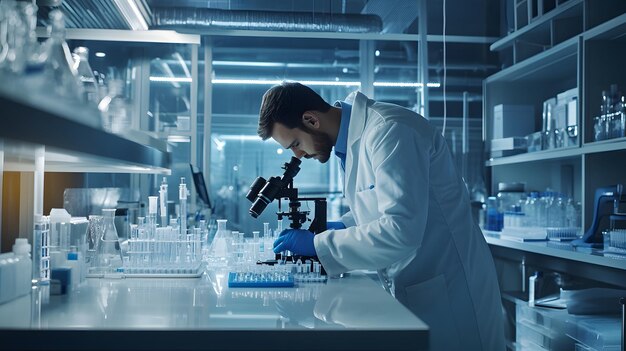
(182, 199)
(163, 202)
(279, 228)
(151, 232)
(141, 241)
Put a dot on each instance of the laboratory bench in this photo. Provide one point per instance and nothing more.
(348, 313)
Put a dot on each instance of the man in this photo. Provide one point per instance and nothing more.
(409, 217)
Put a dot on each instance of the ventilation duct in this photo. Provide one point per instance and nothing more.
(197, 20)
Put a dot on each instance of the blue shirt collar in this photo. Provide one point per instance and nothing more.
(341, 145)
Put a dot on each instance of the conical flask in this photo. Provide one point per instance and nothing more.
(218, 253)
(109, 254)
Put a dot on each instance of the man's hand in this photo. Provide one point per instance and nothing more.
(335, 225)
(298, 241)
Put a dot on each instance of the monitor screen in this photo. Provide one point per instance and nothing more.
(198, 182)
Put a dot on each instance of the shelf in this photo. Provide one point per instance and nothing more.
(614, 29)
(604, 145)
(563, 251)
(554, 63)
(556, 154)
(572, 152)
(566, 10)
(72, 137)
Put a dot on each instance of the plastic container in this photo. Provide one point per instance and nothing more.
(60, 227)
(532, 336)
(602, 333)
(509, 196)
(15, 271)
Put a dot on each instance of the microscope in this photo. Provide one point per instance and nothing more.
(609, 213)
(263, 192)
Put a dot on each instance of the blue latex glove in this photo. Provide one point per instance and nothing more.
(335, 225)
(298, 241)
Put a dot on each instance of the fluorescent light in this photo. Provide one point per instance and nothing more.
(170, 79)
(131, 14)
(178, 139)
(240, 138)
(405, 84)
(100, 54)
(279, 81)
(305, 82)
(248, 64)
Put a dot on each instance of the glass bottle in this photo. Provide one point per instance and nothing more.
(109, 253)
(86, 76)
(60, 64)
(13, 31)
(114, 108)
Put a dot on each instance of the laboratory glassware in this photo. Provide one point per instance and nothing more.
(182, 198)
(218, 253)
(109, 253)
(86, 76)
(115, 109)
(163, 202)
(60, 65)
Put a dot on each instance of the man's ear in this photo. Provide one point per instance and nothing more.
(310, 120)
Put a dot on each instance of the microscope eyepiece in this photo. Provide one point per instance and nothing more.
(262, 191)
(256, 186)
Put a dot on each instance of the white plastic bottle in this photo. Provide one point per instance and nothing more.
(24, 266)
(73, 261)
(7, 277)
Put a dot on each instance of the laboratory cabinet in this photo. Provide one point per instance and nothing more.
(348, 313)
(572, 53)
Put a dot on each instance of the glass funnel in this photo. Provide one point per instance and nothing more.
(109, 253)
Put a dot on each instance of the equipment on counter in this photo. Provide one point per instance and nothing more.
(609, 209)
(263, 192)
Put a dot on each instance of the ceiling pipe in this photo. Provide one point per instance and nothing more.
(198, 20)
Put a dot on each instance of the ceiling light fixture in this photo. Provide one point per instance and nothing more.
(305, 82)
(100, 54)
(131, 13)
(178, 139)
(170, 79)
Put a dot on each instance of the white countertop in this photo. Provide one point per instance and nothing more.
(353, 312)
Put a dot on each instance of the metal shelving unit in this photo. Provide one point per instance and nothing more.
(590, 61)
(73, 139)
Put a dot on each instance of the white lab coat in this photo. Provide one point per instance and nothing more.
(410, 219)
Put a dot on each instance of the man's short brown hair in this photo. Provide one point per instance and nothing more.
(285, 104)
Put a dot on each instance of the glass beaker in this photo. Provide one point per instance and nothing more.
(109, 253)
